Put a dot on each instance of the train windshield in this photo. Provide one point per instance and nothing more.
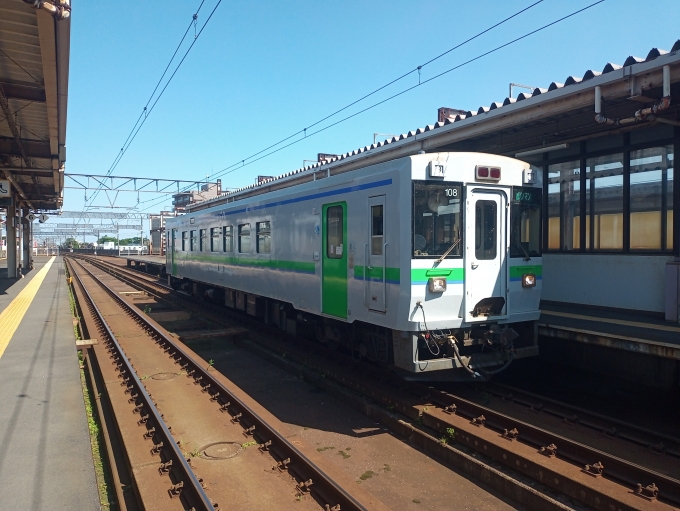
(437, 219)
(525, 214)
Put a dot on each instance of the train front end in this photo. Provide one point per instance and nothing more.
(476, 269)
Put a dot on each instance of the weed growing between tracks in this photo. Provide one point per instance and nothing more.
(104, 485)
(74, 310)
(101, 466)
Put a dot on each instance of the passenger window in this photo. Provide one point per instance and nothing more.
(377, 226)
(485, 230)
(192, 241)
(334, 234)
(214, 239)
(185, 237)
(264, 237)
(228, 244)
(202, 240)
(244, 238)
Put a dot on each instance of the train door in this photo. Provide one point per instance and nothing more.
(334, 260)
(375, 271)
(485, 282)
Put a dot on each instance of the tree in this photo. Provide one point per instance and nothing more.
(133, 241)
(70, 243)
(105, 239)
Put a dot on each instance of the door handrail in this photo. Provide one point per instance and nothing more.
(366, 283)
(384, 272)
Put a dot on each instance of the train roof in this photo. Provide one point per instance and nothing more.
(383, 151)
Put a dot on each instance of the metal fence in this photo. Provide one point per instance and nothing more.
(129, 251)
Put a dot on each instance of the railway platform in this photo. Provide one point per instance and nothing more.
(45, 454)
(628, 331)
(149, 263)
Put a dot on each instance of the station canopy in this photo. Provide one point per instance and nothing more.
(34, 66)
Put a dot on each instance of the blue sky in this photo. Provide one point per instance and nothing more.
(263, 70)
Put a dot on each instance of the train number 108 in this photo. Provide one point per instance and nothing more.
(451, 192)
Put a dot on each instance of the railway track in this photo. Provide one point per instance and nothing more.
(587, 475)
(654, 443)
(273, 473)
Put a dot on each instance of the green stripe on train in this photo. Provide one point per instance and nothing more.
(516, 272)
(273, 264)
(376, 272)
(421, 275)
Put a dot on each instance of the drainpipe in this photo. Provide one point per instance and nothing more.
(642, 114)
(59, 9)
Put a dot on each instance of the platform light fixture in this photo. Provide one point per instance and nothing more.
(541, 150)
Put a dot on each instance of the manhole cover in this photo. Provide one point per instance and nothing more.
(220, 450)
(163, 376)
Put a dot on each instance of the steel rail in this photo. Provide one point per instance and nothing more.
(570, 451)
(476, 433)
(96, 395)
(615, 428)
(290, 457)
(189, 484)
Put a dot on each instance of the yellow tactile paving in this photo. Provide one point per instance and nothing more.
(11, 317)
(623, 322)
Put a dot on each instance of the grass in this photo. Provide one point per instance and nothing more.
(107, 497)
(449, 436)
(74, 313)
(415, 501)
(367, 475)
(322, 449)
(343, 454)
(248, 444)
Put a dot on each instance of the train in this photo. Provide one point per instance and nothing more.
(429, 264)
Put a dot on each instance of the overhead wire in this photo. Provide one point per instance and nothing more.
(240, 164)
(146, 111)
(375, 91)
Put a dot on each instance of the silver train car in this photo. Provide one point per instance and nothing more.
(430, 263)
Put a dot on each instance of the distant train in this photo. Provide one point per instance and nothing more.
(429, 263)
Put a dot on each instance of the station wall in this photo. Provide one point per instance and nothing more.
(629, 281)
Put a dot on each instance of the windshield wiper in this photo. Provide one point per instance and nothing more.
(441, 258)
(519, 244)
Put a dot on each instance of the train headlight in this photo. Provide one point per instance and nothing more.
(436, 284)
(528, 280)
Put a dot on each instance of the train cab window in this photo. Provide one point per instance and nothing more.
(202, 239)
(377, 227)
(437, 219)
(228, 238)
(215, 236)
(525, 222)
(486, 230)
(192, 241)
(264, 237)
(185, 239)
(244, 238)
(334, 232)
